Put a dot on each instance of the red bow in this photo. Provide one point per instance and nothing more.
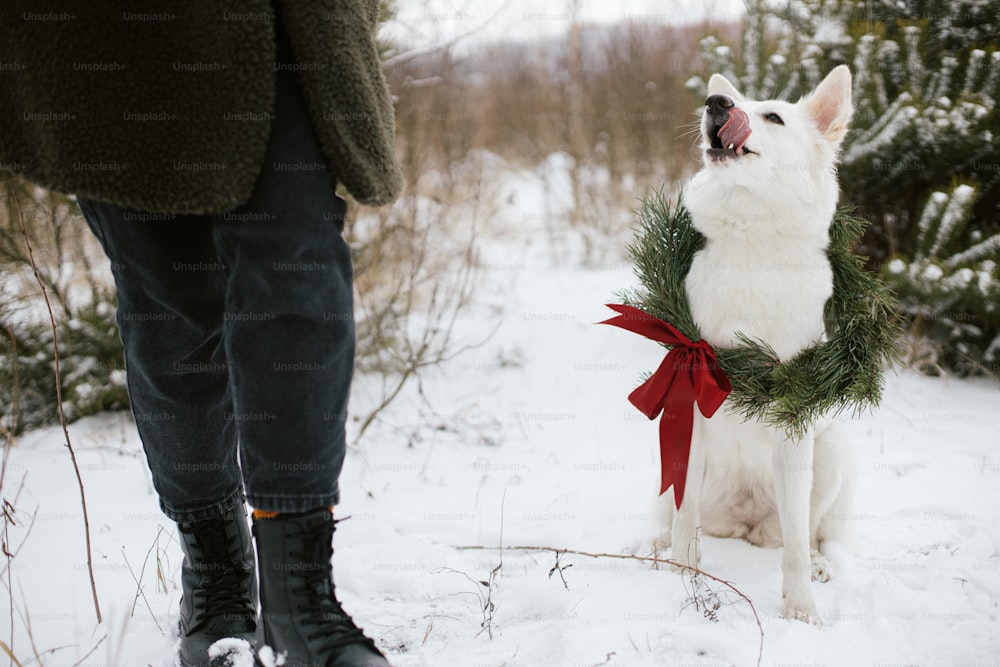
(689, 374)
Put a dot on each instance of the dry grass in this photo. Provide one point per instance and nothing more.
(70, 262)
(609, 101)
(608, 96)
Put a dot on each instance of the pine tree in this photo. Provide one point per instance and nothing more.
(948, 288)
(920, 160)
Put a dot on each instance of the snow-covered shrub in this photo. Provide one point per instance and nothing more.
(83, 306)
(90, 365)
(920, 160)
(950, 291)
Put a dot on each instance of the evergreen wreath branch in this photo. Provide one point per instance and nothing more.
(845, 372)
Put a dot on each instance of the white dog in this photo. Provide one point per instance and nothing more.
(764, 201)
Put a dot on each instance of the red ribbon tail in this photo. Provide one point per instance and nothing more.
(676, 426)
(650, 395)
(690, 374)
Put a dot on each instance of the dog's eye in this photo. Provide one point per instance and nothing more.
(773, 118)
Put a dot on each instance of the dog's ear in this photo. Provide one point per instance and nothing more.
(830, 104)
(719, 85)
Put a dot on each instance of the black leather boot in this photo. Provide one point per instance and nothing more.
(300, 614)
(219, 587)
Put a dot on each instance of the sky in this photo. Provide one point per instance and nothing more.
(423, 23)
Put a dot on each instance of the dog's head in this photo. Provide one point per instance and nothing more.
(769, 159)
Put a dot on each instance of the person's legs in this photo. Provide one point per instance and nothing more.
(288, 328)
(171, 287)
(289, 338)
(265, 318)
(241, 323)
(171, 290)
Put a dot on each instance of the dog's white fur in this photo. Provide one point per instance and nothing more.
(764, 272)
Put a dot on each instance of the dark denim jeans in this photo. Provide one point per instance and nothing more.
(239, 333)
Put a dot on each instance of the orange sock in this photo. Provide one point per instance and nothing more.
(264, 514)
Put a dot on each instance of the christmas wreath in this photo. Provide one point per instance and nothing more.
(845, 372)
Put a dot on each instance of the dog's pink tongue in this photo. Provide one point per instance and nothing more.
(736, 130)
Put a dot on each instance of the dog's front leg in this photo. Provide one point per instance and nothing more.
(687, 519)
(793, 472)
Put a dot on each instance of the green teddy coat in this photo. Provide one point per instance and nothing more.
(167, 106)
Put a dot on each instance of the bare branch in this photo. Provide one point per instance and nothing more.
(645, 559)
(407, 56)
(138, 585)
(59, 405)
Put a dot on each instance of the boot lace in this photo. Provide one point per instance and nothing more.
(222, 590)
(320, 606)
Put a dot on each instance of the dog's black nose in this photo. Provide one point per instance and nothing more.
(717, 107)
(719, 103)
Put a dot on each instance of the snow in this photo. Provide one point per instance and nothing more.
(695, 83)
(986, 281)
(238, 652)
(930, 215)
(528, 439)
(954, 214)
(931, 273)
(269, 659)
(884, 130)
(829, 30)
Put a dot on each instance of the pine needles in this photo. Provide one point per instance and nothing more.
(843, 373)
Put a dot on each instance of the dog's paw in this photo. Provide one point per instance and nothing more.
(804, 613)
(822, 567)
(685, 548)
(799, 603)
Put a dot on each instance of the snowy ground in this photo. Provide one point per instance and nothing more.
(528, 440)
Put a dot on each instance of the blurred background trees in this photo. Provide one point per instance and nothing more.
(613, 110)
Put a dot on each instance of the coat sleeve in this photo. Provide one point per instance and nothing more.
(333, 42)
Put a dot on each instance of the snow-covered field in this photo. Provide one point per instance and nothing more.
(527, 439)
